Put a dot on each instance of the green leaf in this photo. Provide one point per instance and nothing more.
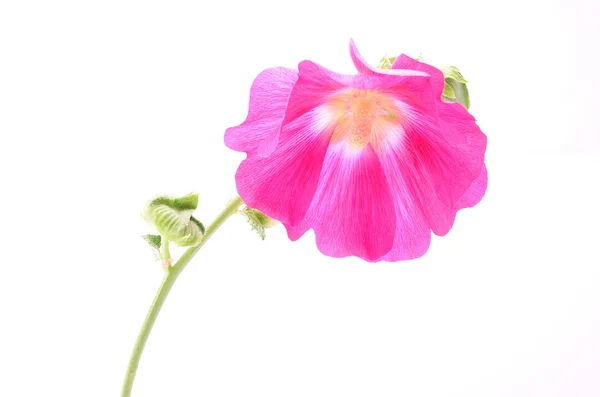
(153, 240)
(189, 202)
(255, 221)
(448, 91)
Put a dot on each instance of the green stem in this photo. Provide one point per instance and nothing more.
(165, 253)
(168, 281)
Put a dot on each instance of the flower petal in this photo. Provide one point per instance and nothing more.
(364, 68)
(283, 184)
(317, 85)
(459, 130)
(437, 77)
(295, 232)
(438, 163)
(352, 212)
(413, 234)
(458, 124)
(475, 193)
(268, 100)
(441, 218)
(359, 62)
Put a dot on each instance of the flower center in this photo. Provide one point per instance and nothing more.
(359, 115)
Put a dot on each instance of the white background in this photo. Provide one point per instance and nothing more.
(105, 104)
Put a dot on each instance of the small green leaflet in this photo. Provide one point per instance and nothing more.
(153, 240)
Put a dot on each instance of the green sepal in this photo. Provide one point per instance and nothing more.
(153, 241)
(255, 221)
(200, 225)
(173, 219)
(189, 202)
(462, 95)
(448, 91)
(455, 87)
(452, 72)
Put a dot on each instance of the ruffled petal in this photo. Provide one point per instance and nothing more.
(464, 139)
(404, 62)
(441, 218)
(283, 184)
(295, 232)
(438, 161)
(458, 125)
(413, 233)
(352, 212)
(475, 193)
(268, 100)
(359, 62)
(364, 68)
(316, 86)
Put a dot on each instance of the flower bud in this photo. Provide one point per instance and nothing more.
(173, 219)
(455, 87)
(258, 221)
(266, 221)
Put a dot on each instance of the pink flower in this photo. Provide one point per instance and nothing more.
(372, 162)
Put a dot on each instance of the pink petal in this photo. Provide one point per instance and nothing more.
(268, 100)
(441, 218)
(295, 232)
(449, 167)
(352, 212)
(413, 234)
(359, 62)
(458, 124)
(283, 184)
(437, 77)
(475, 193)
(364, 68)
(316, 84)
(436, 170)
(467, 142)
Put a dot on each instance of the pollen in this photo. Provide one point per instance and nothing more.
(359, 114)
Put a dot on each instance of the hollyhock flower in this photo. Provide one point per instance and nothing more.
(371, 162)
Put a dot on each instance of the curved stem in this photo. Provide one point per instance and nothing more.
(168, 281)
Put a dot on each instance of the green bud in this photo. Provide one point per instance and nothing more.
(173, 219)
(386, 62)
(266, 221)
(258, 221)
(455, 87)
